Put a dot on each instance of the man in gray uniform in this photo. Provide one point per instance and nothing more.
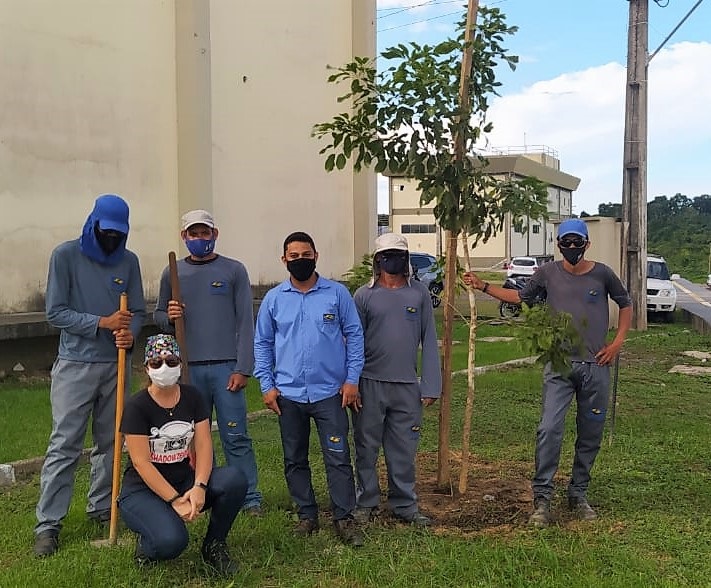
(581, 288)
(397, 318)
(86, 279)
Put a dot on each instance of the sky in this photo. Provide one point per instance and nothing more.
(568, 91)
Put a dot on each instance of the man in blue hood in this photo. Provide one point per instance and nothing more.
(86, 278)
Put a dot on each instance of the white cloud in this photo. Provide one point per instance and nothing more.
(581, 115)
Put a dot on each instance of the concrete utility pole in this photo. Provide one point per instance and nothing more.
(634, 179)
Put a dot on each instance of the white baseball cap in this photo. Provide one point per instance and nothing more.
(197, 217)
(390, 241)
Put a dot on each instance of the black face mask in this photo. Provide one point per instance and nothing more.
(572, 255)
(394, 264)
(109, 240)
(301, 269)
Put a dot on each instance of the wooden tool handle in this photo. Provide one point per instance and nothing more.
(180, 322)
(118, 439)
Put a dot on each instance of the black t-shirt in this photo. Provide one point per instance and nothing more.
(169, 437)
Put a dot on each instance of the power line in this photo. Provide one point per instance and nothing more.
(427, 3)
(419, 21)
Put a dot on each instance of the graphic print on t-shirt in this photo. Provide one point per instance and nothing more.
(170, 443)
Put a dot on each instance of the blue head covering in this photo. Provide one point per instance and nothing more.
(110, 213)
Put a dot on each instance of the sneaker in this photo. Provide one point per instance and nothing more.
(46, 543)
(541, 516)
(416, 519)
(254, 511)
(581, 507)
(306, 527)
(363, 514)
(349, 532)
(216, 556)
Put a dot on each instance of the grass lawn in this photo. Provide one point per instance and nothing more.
(651, 488)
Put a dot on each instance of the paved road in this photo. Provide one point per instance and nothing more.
(696, 298)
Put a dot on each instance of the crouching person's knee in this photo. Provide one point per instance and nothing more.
(170, 543)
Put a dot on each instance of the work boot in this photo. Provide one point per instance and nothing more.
(363, 515)
(582, 509)
(254, 511)
(306, 527)
(541, 515)
(349, 532)
(100, 517)
(416, 519)
(216, 556)
(140, 557)
(46, 543)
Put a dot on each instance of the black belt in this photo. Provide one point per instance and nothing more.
(210, 362)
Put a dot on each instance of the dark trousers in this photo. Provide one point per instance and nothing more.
(332, 425)
(162, 533)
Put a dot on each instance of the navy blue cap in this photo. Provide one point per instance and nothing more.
(112, 213)
(573, 226)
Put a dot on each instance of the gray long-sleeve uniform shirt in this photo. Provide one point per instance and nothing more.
(219, 322)
(396, 321)
(80, 291)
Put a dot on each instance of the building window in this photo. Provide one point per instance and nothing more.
(405, 229)
(536, 229)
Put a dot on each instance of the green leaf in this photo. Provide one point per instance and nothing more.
(341, 161)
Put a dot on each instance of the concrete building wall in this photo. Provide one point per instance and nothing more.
(175, 104)
(87, 106)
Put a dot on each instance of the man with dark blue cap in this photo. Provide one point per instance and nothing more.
(86, 278)
(581, 288)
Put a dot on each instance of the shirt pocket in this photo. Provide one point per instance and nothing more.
(593, 296)
(328, 320)
(218, 288)
(412, 313)
(118, 284)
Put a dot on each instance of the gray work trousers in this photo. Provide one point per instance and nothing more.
(590, 383)
(79, 390)
(390, 418)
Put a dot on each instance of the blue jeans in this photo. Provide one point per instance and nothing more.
(332, 424)
(231, 409)
(162, 533)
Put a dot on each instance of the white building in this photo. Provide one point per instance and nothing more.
(418, 223)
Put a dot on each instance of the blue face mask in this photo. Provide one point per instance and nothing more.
(200, 247)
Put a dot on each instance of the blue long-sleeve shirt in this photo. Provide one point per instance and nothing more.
(80, 291)
(308, 344)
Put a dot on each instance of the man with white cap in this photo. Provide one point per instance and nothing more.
(219, 327)
(397, 318)
(581, 288)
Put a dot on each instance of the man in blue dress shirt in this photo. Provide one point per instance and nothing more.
(308, 351)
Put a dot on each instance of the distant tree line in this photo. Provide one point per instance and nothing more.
(679, 229)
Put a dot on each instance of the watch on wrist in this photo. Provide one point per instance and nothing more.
(201, 485)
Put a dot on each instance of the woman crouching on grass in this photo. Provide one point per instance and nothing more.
(161, 491)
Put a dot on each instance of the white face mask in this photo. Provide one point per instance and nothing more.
(165, 375)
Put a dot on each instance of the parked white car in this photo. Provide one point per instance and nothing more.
(708, 281)
(526, 266)
(661, 293)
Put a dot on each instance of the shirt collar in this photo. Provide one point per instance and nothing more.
(287, 286)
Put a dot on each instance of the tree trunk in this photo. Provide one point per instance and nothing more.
(468, 408)
(450, 274)
(445, 406)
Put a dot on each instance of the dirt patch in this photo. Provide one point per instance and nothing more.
(498, 499)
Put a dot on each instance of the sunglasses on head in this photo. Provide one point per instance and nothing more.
(170, 361)
(572, 242)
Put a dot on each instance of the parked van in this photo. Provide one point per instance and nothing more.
(661, 293)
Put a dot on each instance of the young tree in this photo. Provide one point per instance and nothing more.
(409, 119)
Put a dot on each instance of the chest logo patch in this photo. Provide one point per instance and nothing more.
(118, 283)
(329, 317)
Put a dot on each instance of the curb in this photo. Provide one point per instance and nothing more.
(22, 469)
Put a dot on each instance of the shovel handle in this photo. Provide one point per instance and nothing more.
(118, 439)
